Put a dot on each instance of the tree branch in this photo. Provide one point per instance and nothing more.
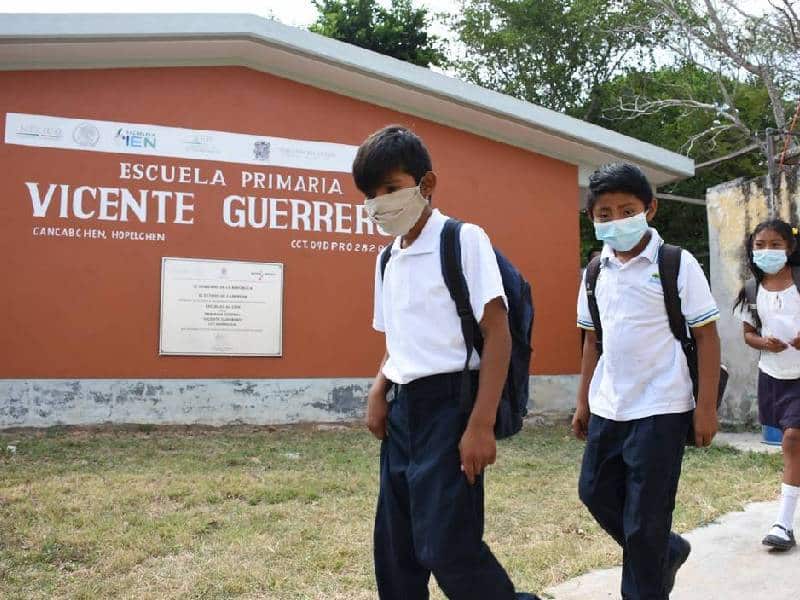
(737, 153)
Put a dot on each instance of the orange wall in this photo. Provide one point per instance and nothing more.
(90, 308)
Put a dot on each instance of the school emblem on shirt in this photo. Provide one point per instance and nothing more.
(261, 151)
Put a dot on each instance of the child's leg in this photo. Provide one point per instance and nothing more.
(399, 575)
(653, 454)
(447, 512)
(601, 486)
(790, 490)
(779, 405)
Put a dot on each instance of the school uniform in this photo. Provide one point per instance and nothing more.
(640, 399)
(429, 519)
(779, 372)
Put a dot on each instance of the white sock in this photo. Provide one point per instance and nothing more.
(789, 496)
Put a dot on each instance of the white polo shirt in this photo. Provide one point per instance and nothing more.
(643, 370)
(414, 309)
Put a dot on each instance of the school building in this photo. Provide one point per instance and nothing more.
(181, 239)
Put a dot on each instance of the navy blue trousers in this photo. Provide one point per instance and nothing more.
(628, 481)
(429, 519)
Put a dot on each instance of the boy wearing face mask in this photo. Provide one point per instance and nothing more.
(430, 509)
(635, 401)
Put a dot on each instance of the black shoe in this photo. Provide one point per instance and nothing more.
(526, 596)
(777, 542)
(676, 561)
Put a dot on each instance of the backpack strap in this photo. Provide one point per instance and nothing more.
(751, 298)
(385, 256)
(453, 274)
(592, 274)
(669, 265)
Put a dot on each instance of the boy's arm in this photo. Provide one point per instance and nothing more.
(708, 364)
(701, 313)
(377, 406)
(589, 359)
(580, 421)
(478, 446)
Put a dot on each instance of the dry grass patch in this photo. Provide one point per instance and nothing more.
(287, 514)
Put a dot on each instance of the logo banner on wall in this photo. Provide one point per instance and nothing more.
(45, 131)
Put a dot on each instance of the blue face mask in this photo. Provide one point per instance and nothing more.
(622, 235)
(770, 261)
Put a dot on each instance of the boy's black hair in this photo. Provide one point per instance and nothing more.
(393, 148)
(619, 177)
(783, 229)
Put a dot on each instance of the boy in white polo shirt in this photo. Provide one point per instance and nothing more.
(635, 401)
(430, 509)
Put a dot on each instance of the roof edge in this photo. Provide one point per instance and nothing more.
(44, 28)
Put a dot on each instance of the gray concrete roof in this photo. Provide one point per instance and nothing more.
(67, 41)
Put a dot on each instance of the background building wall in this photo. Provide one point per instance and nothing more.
(734, 210)
(84, 313)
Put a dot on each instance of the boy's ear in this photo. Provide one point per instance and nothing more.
(651, 212)
(427, 184)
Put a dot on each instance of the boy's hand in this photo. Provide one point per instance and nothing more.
(796, 342)
(580, 421)
(478, 449)
(705, 424)
(377, 410)
(772, 344)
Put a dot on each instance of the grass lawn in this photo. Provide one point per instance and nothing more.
(282, 514)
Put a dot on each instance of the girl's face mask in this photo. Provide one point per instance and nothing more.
(770, 261)
(623, 234)
(398, 212)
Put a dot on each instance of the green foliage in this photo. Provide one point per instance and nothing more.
(672, 128)
(550, 52)
(590, 58)
(679, 223)
(400, 31)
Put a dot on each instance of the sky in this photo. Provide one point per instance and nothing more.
(299, 13)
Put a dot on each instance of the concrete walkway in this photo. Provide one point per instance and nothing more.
(727, 562)
(745, 442)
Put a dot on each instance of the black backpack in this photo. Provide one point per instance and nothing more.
(669, 263)
(751, 294)
(514, 400)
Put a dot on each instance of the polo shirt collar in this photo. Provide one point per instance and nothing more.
(650, 251)
(428, 240)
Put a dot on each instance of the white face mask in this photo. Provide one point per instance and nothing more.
(398, 212)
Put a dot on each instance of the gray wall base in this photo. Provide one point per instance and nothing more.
(48, 402)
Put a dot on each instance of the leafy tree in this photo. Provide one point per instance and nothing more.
(701, 134)
(726, 40)
(400, 31)
(549, 52)
(729, 75)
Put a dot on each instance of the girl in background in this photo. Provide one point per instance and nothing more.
(769, 307)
